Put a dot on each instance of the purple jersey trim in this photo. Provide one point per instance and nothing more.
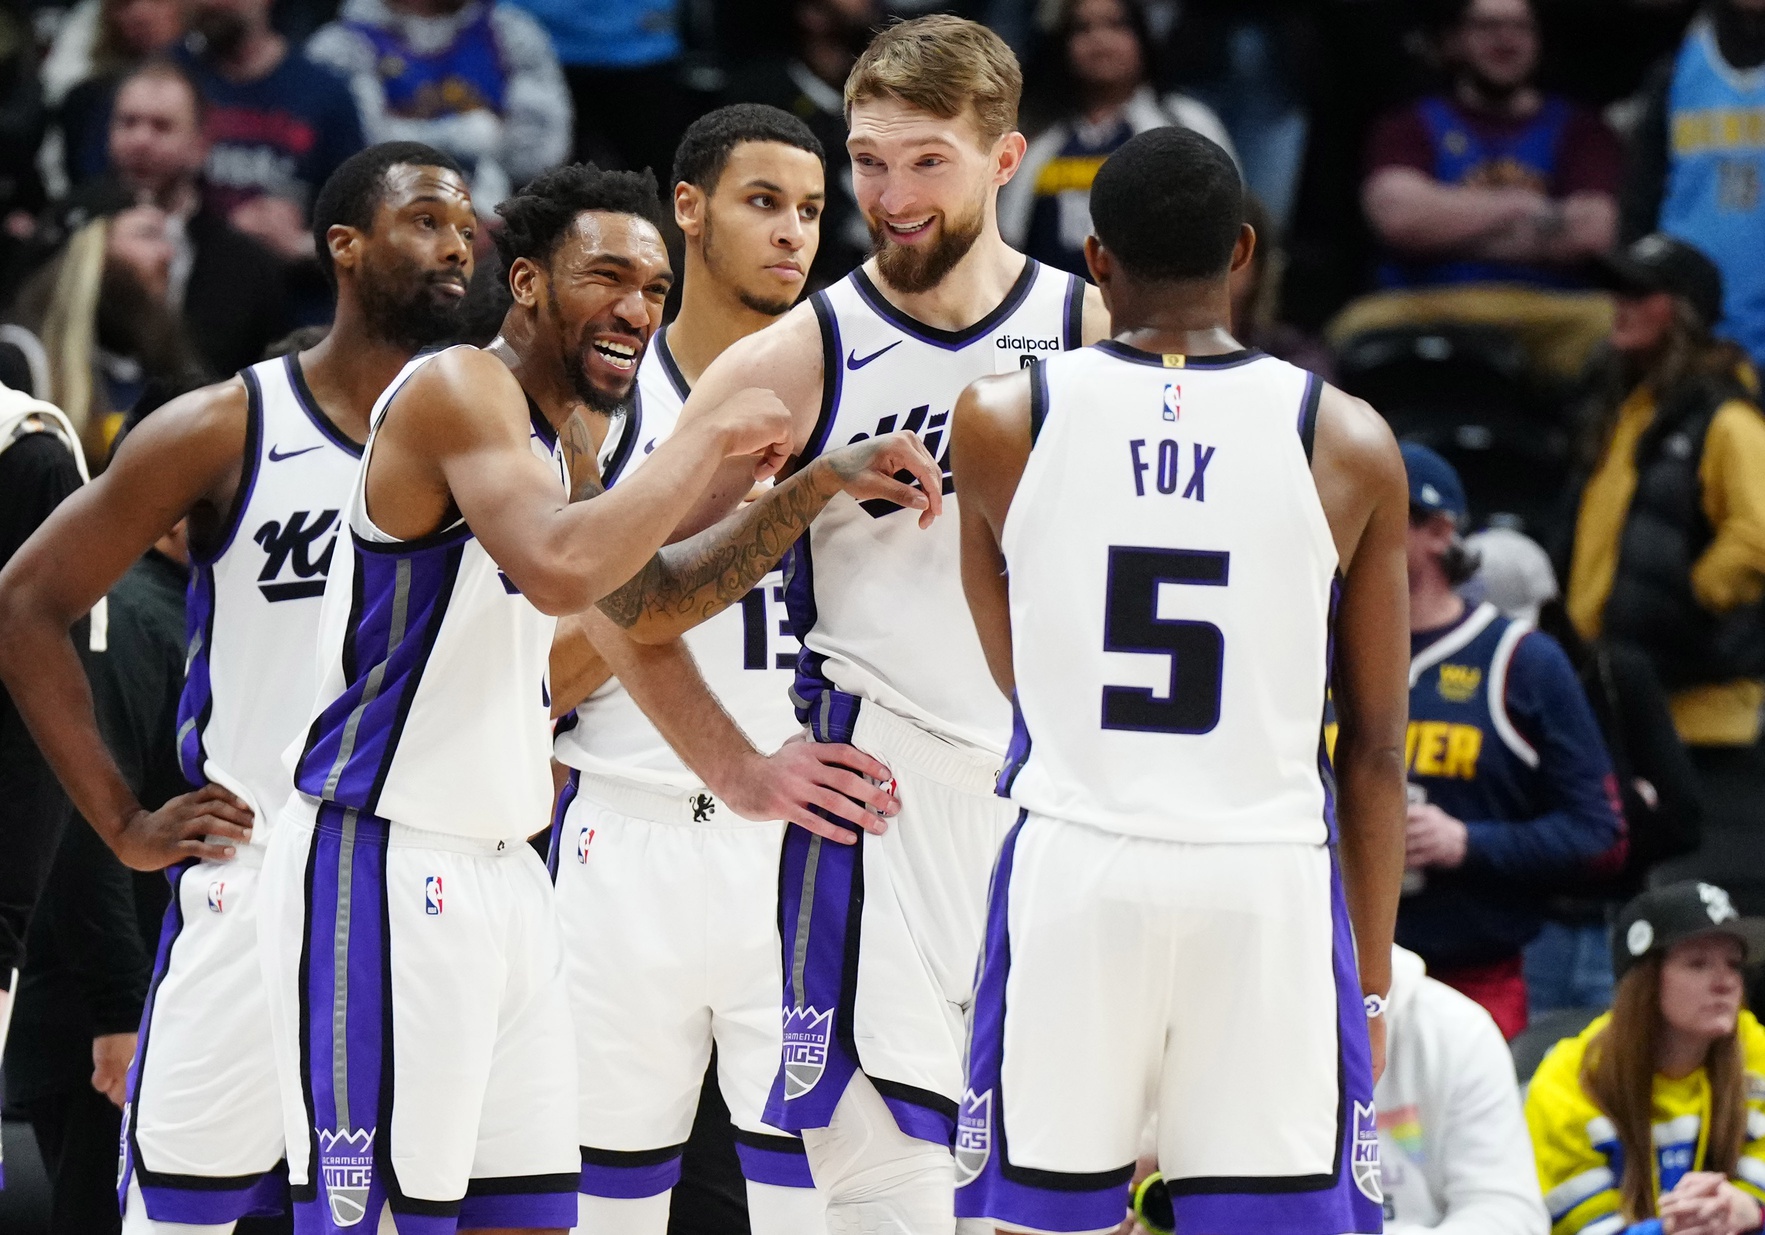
(777, 1160)
(623, 1176)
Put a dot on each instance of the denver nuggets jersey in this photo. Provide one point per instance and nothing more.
(433, 708)
(252, 615)
(746, 653)
(876, 600)
(1172, 587)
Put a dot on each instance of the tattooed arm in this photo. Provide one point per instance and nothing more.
(697, 578)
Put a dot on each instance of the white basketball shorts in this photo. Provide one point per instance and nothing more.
(202, 1132)
(881, 938)
(422, 1035)
(1212, 985)
(667, 910)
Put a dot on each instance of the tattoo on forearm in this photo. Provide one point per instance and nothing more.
(700, 577)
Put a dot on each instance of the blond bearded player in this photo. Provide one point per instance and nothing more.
(880, 938)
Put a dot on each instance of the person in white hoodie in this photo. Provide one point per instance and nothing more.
(1453, 1148)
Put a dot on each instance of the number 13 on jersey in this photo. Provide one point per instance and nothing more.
(1195, 651)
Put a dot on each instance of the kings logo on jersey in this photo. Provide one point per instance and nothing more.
(974, 1136)
(346, 1163)
(291, 545)
(930, 428)
(1366, 1152)
(807, 1036)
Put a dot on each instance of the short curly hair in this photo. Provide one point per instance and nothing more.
(536, 218)
(708, 142)
(1169, 204)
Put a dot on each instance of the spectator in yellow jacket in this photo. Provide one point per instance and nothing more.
(1669, 551)
(1652, 1122)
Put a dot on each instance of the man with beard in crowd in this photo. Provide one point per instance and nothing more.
(259, 466)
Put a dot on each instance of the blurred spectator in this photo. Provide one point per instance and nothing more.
(1698, 158)
(1452, 1139)
(1514, 573)
(475, 78)
(1511, 785)
(91, 942)
(622, 60)
(21, 118)
(1653, 1111)
(278, 124)
(1256, 289)
(808, 83)
(97, 44)
(41, 463)
(1669, 550)
(1101, 66)
(1250, 61)
(228, 287)
(1487, 199)
(100, 314)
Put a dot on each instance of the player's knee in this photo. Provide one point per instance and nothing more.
(777, 1210)
(606, 1215)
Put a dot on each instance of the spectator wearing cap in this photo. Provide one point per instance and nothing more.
(1486, 199)
(1669, 545)
(1652, 1121)
(1511, 786)
(1698, 158)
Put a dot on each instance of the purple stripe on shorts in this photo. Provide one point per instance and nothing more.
(169, 926)
(519, 1211)
(783, 1168)
(819, 905)
(346, 1019)
(988, 1187)
(1354, 1202)
(265, 1198)
(566, 795)
(624, 1182)
(916, 1119)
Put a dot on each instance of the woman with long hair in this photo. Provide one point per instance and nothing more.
(1652, 1121)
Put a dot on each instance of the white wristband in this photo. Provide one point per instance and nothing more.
(1375, 1005)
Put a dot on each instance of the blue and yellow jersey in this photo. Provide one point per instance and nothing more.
(1502, 738)
(1580, 1163)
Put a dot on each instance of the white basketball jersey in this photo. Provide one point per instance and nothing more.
(878, 601)
(746, 653)
(1172, 588)
(434, 706)
(252, 611)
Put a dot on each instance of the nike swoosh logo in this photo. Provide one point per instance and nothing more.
(277, 458)
(853, 362)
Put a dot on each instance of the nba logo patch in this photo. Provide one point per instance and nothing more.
(1173, 401)
(584, 839)
(807, 1035)
(217, 896)
(432, 895)
(1366, 1152)
(974, 1136)
(346, 1163)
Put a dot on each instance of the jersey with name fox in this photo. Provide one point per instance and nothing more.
(877, 600)
(746, 653)
(434, 708)
(1172, 590)
(252, 611)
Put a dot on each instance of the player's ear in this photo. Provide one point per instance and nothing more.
(1100, 264)
(524, 276)
(689, 208)
(1008, 154)
(1244, 248)
(345, 244)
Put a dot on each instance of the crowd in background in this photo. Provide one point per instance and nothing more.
(1530, 232)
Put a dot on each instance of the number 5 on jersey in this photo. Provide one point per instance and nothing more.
(1196, 650)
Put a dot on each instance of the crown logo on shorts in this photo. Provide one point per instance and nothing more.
(1366, 1152)
(974, 1136)
(346, 1163)
(807, 1035)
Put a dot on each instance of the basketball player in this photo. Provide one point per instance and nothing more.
(411, 952)
(1199, 540)
(666, 894)
(260, 465)
(880, 942)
